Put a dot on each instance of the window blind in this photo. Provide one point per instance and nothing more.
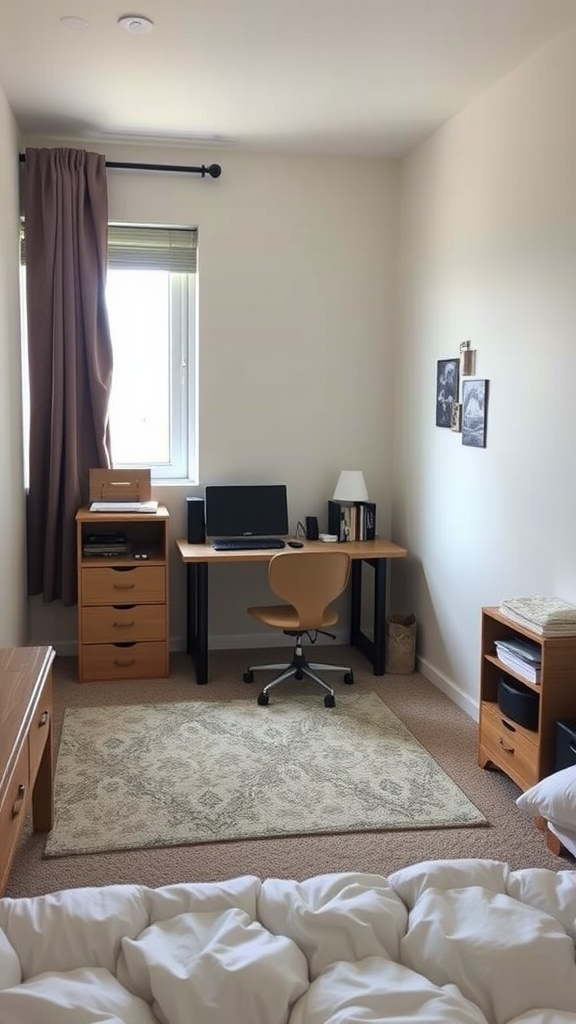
(155, 248)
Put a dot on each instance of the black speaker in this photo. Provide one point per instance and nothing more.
(195, 520)
(311, 528)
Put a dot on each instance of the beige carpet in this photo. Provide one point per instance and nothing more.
(151, 775)
(447, 733)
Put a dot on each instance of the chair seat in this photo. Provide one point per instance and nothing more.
(283, 616)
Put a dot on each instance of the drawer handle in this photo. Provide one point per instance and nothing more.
(124, 625)
(44, 718)
(507, 725)
(509, 750)
(124, 586)
(19, 802)
(123, 663)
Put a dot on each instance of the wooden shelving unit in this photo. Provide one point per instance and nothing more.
(525, 755)
(123, 599)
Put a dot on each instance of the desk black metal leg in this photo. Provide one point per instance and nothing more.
(197, 618)
(356, 602)
(378, 659)
(190, 607)
(374, 649)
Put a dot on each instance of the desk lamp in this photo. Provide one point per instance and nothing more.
(351, 486)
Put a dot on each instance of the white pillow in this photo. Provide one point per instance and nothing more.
(553, 798)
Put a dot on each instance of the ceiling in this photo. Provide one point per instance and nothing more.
(362, 77)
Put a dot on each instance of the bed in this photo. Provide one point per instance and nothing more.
(448, 941)
(552, 802)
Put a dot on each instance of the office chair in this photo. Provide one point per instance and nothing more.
(309, 581)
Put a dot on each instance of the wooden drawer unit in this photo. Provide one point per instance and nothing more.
(25, 746)
(135, 584)
(129, 661)
(123, 623)
(13, 808)
(509, 745)
(122, 596)
(526, 755)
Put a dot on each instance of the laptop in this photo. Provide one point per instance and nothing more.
(246, 516)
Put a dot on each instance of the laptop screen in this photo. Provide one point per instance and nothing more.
(246, 510)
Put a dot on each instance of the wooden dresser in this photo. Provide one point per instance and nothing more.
(25, 746)
(122, 595)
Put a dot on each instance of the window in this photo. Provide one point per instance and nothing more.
(151, 300)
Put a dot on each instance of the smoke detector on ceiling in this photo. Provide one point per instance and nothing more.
(136, 23)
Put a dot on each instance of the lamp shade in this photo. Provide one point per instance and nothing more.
(351, 486)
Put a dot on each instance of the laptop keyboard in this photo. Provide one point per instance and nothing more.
(247, 543)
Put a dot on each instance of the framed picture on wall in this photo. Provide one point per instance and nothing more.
(447, 380)
(474, 410)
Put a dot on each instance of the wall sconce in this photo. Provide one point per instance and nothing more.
(351, 486)
(467, 360)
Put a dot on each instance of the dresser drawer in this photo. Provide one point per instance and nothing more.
(138, 584)
(509, 746)
(12, 810)
(134, 661)
(105, 624)
(40, 728)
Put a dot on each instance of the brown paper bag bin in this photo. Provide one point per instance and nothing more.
(401, 644)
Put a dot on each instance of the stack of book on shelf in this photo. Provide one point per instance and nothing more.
(350, 521)
(545, 616)
(521, 655)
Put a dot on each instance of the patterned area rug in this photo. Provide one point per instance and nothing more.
(144, 776)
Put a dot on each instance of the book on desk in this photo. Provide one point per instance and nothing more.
(351, 521)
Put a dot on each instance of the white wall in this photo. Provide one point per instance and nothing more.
(297, 260)
(489, 254)
(14, 608)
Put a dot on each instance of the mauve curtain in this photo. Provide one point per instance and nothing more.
(69, 354)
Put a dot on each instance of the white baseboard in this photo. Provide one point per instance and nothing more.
(449, 687)
(247, 641)
(238, 641)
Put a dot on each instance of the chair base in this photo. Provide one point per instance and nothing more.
(298, 668)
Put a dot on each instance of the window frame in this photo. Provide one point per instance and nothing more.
(183, 398)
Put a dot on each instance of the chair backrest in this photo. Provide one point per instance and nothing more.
(309, 581)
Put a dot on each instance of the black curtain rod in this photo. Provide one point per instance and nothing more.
(214, 170)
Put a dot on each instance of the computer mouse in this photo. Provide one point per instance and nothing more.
(295, 544)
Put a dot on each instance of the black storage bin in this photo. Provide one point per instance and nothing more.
(565, 745)
(518, 702)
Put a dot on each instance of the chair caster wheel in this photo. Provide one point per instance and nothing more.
(298, 674)
(329, 701)
(263, 699)
(249, 677)
(348, 678)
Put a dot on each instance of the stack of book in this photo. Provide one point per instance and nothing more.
(521, 655)
(350, 521)
(546, 616)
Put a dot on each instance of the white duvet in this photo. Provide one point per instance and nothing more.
(441, 942)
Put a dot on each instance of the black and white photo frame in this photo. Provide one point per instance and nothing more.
(447, 384)
(474, 412)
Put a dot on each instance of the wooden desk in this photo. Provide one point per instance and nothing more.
(198, 557)
(25, 745)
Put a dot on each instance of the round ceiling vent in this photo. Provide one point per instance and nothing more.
(70, 21)
(136, 23)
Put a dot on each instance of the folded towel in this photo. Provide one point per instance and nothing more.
(546, 616)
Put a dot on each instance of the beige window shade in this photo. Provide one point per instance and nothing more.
(154, 248)
(137, 247)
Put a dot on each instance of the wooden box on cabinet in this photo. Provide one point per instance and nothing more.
(123, 597)
(525, 755)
